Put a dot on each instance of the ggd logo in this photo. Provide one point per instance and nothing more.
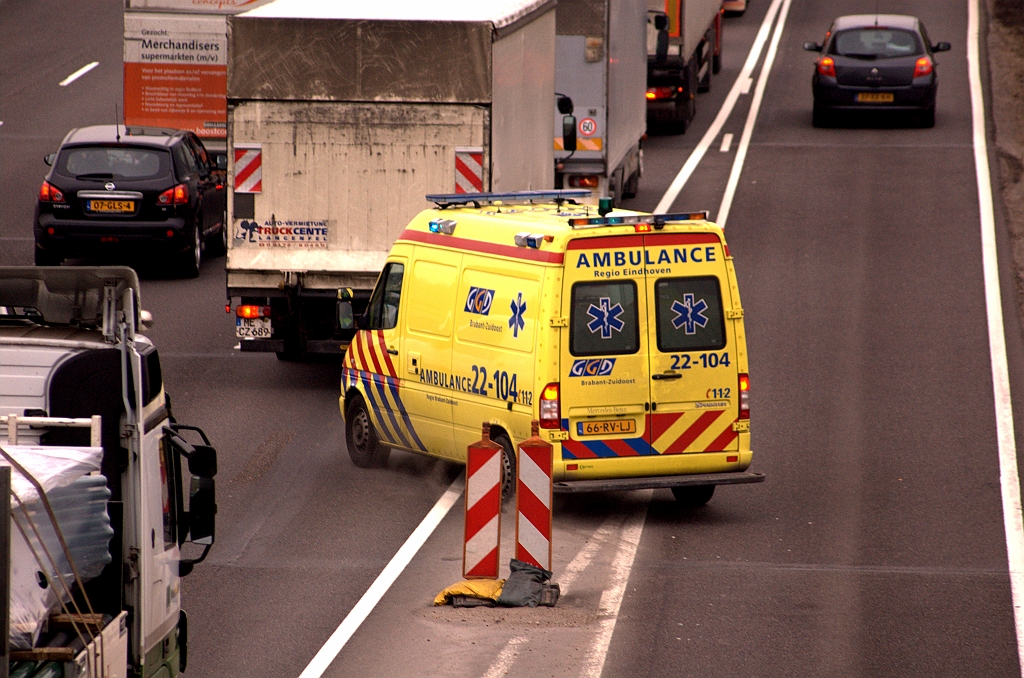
(479, 301)
(596, 367)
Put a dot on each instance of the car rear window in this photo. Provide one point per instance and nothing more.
(114, 162)
(876, 43)
(604, 319)
(689, 314)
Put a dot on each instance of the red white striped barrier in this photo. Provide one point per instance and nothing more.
(483, 509)
(248, 168)
(469, 169)
(533, 501)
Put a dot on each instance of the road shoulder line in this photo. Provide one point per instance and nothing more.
(1009, 478)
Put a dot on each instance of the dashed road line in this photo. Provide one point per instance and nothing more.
(79, 73)
(506, 658)
(726, 142)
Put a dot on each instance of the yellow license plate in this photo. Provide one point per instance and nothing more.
(111, 206)
(875, 97)
(608, 427)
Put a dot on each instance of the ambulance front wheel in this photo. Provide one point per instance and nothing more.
(693, 496)
(363, 445)
(508, 466)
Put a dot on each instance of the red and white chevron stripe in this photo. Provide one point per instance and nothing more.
(469, 169)
(248, 168)
(480, 555)
(533, 501)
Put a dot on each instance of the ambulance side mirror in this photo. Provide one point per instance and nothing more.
(222, 161)
(346, 317)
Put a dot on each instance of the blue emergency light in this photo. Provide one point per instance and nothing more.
(443, 200)
(657, 220)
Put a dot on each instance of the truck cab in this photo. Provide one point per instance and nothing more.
(71, 350)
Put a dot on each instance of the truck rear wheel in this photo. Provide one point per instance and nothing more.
(360, 437)
(693, 496)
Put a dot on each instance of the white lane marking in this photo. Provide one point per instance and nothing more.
(586, 554)
(611, 599)
(79, 73)
(1009, 479)
(747, 84)
(726, 142)
(384, 580)
(505, 658)
(709, 137)
(748, 128)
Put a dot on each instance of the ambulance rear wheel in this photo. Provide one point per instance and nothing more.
(693, 496)
(508, 466)
(363, 445)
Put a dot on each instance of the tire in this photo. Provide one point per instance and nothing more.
(820, 117)
(693, 496)
(632, 186)
(44, 258)
(508, 466)
(218, 247)
(926, 118)
(191, 260)
(364, 447)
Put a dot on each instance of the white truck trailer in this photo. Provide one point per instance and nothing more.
(600, 66)
(684, 43)
(342, 118)
(95, 510)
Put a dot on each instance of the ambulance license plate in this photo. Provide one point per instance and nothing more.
(116, 206)
(252, 328)
(607, 427)
(875, 97)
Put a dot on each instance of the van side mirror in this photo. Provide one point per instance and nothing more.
(660, 22)
(346, 318)
(942, 47)
(222, 161)
(202, 511)
(812, 47)
(661, 46)
(203, 461)
(49, 158)
(569, 133)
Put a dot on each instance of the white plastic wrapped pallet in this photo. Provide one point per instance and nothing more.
(79, 501)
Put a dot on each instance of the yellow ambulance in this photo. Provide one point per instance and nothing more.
(622, 333)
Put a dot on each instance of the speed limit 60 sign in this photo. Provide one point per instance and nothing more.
(588, 127)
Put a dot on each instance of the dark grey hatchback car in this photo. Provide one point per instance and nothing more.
(114, 189)
(882, 62)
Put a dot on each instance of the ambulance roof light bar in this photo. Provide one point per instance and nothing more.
(657, 220)
(445, 200)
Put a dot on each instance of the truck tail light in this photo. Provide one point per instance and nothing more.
(550, 409)
(923, 67)
(174, 196)
(827, 66)
(252, 311)
(50, 193)
(583, 181)
(656, 93)
(744, 396)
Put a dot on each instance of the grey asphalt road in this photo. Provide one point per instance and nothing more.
(875, 548)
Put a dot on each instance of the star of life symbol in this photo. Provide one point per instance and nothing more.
(689, 314)
(516, 322)
(605, 318)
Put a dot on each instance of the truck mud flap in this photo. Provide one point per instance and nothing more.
(656, 482)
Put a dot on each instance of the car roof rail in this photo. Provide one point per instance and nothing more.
(445, 200)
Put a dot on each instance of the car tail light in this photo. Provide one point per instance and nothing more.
(923, 67)
(176, 196)
(550, 409)
(744, 396)
(50, 193)
(827, 66)
(252, 311)
(655, 93)
(583, 181)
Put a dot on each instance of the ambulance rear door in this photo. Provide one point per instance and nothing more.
(693, 360)
(604, 365)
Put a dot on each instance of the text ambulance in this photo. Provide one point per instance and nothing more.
(622, 334)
